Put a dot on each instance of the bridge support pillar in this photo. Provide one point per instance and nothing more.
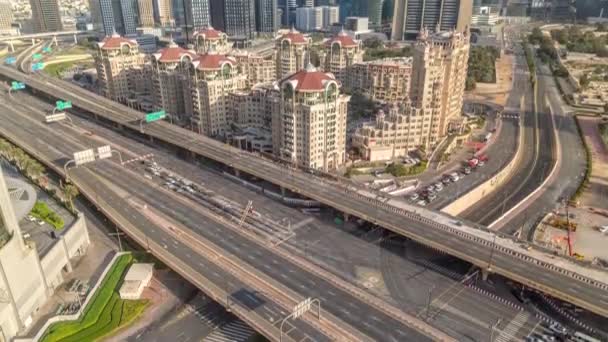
(283, 191)
(75, 39)
(12, 45)
(33, 41)
(237, 173)
(484, 274)
(346, 217)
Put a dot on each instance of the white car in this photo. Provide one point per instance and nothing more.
(603, 229)
(31, 218)
(40, 222)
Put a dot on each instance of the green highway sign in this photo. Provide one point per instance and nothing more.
(17, 85)
(36, 56)
(37, 66)
(155, 116)
(61, 105)
(46, 49)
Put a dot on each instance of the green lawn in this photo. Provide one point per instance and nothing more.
(43, 212)
(104, 314)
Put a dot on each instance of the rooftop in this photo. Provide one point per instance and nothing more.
(343, 39)
(212, 61)
(309, 79)
(295, 37)
(173, 53)
(209, 33)
(116, 42)
(139, 272)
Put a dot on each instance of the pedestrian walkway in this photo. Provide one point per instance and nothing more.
(235, 331)
(509, 333)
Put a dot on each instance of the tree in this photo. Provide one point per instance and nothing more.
(536, 36)
(70, 191)
(470, 83)
(584, 81)
(373, 43)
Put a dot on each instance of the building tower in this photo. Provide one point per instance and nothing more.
(168, 77)
(339, 53)
(239, 18)
(197, 15)
(209, 39)
(164, 13)
(6, 16)
(266, 19)
(120, 68)
(45, 16)
(374, 12)
(211, 78)
(309, 128)
(411, 16)
(128, 9)
(145, 11)
(291, 51)
(439, 72)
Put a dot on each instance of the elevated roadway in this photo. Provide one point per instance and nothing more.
(534, 268)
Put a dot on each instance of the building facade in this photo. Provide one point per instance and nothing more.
(266, 16)
(145, 11)
(309, 129)
(164, 13)
(197, 14)
(384, 80)
(256, 68)
(209, 39)
(122, 71)
(291, 50)
(168, 77)
(45, 16)
(128, 9)
(412, 16)
(339, 53)
(211, 78)
(6, 16)
(238, 18)
(316, 18)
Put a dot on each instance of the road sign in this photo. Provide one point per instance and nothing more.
(83, 157)
(15, 85)
(10, 60)
(36, 56)
(155, 116)
(302, 307)
(55, 117)
(104, 152)
(37, 66)
(46, 49)
(61, 105)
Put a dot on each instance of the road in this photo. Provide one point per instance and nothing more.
(58, 146)
(467, 314)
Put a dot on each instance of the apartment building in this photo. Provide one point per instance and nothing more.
(211, 40)
(439, 73)
(256, 68)
(339, 53)
(291, 50)
(122, 71)
(45, 16)
(168, 76)
(210, 80)
(412, 16)
(384, 80)
(309, 129)
(145, 11)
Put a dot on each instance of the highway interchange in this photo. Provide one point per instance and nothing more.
(114, 174)
(468, 313)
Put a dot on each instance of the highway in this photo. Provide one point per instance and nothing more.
(466, 312)
(193, 224)
(420, 228)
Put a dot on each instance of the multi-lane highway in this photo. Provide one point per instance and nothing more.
(422, 227)
(194, 229)
(465, 312)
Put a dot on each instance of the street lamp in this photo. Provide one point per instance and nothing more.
(428, 302)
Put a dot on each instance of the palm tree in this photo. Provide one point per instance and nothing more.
(35, 169)
(70, 191)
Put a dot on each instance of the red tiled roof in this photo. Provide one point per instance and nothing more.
(115, 42)
(295, 37)
(212, 61)
(343, 39)
(172, 54)
(309, 79)
(209, 33)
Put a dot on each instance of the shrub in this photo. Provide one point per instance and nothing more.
(43, 212)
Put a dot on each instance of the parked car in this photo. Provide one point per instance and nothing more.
(466, 170)
(421, 203)
(446, 180)
(438, 186)
(603, 229)
(431, 197)
(414, 197)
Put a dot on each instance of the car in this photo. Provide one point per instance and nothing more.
(466, 170)
(414, 197)
(431, 197)
(438, 186)
(481, 163)
(558, 328)
(446, 180)
(421, 203)
(603, 229)
(147, 176)
(31, 218)
(430, 188)
(40, 222)
(454, 177)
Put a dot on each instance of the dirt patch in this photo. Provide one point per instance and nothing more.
(597, 194)
(499, 91)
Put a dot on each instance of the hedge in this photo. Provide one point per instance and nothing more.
(585, 183)
(43, 212)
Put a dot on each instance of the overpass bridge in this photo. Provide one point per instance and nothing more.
(53, 35)
(534, 267)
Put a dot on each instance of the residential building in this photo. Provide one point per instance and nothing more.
(146, 42)
(145, 10)
(211, 78)
(197, 15)
(209, 39)
(168, 76)
(164, 12)
(266, 13)
(384, 80)
(309, 128)
(6, 16)
(235, 17)
(45, 16)
(257, 68)
(485, 16)
(356, 24)
(122, 72)
(412, 16)
(291, 50)
(339, 53)
(439, 72)
(392, 135)
(316, 18)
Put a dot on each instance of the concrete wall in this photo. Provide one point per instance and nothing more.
(476, 194)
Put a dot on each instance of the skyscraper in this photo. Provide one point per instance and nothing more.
(266, 16)
(197, 14)
(129, 16)
(6, 15)
(102, 16)
(374, 12)
(411, 16)
(145, 9)
(164, 12)
(239, 17)
(45, 16)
